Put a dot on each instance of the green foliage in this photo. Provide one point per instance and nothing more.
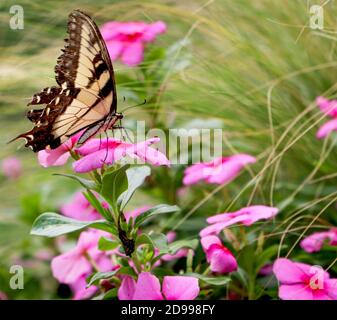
(51, 224)
(106, 244)
(88, 184)
(159, 209)
(114, 183)
(135, 178)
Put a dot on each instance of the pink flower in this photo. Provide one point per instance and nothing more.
(80, 290)
(127, 39)
(3, 296)
(44, 254)
(267, 269)
(247, 216)
(219, 171)
(299, 281)
(59, 156)
(81, 209)
(329, 107)
(98, 152)
(315, 241)
(148, 288)
(221, 260)
(171, 236)
(69, 267)
(11, 168)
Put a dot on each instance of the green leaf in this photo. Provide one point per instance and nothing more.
(88, 184)
(106, 244)
(111, 294)
(95, 278)
(98, 205)
(162, 208)
(160, 242)
(177, 245)
(215, 281)
(51, 224)
(145, 239)
(247, 259)
(136, 177)
(266, 256)
(128, 271)
(114, 184)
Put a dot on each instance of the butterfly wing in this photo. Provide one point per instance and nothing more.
(86, 94)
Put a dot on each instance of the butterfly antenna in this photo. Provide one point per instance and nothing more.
(107, 148)
(137, 105)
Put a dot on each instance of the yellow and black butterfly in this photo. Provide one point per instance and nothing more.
(85, 98)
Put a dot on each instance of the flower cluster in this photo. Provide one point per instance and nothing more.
(328, 107)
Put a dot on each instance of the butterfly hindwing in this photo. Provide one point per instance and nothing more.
(85, 97)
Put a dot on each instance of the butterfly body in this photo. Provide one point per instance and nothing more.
(84, 99)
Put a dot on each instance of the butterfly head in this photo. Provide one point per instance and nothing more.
(119, 115)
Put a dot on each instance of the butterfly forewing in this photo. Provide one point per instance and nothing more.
(86, 95)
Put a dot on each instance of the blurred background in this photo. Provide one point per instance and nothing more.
(253, 68)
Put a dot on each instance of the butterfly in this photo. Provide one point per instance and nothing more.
(85, 97)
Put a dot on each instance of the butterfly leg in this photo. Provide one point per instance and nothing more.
(100, 141)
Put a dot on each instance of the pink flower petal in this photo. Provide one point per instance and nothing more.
(127, 288)
(60, 155)
(110, 30)
(328, 107)
(115, 49)
(230, 168)
(327, 128)
(288, 272)
(246, 216)
(194, 174)
(132, 54)
(95, 145)
(215, 228)
(153, 30)
(330, 286)
(180, 288)
(315, 241)
(11, 167)
(147, 287)
(97, 153)
(147, 153)
(93, 161)
(221, 259)
(207, 241)
(220, 170)
(70, 266)
(81, 292)
(56, 157)
(80, 208)
(295, 292)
